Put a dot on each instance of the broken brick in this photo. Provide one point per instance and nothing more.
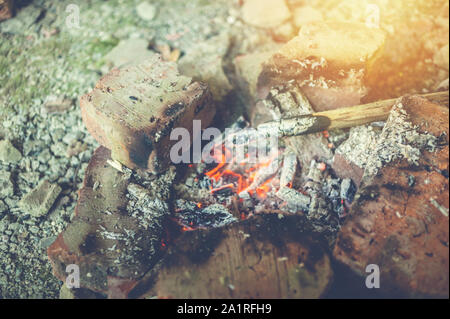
(113, 250)
(40, 200)
(329, 60)
(399, 220)
(132, 111)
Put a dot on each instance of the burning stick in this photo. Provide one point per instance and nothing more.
(340, 118)
(288, 170)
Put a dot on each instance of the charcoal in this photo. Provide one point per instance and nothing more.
(348, 190)
(295, 200)
(213, 216)
(289, 169)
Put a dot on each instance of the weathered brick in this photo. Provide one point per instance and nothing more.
(132, 111)
(329, 60)
(399, 220)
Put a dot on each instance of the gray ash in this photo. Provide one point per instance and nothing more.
(193, 215)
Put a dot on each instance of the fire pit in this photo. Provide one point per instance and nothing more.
(265, 207)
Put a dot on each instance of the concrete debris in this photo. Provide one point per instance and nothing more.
(41, 199)
(8, 153)
(6, 185)
(146, 11)
(129, 51)
(57, 104)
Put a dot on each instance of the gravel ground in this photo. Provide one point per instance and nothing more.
(44, 67)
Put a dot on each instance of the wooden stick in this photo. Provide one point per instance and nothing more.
(340, 118)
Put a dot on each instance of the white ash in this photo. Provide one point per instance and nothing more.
(360, 145)
(399, 139)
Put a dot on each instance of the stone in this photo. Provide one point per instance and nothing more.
(146, 11)
(284, 32)
(399, 219)
(8, 153)
(3, 207)
(305, 15)
(261, 257)
(204, 63)
(6, 9)
(6, 185)
(248, 68)
(40, 200)
(329, 60)
(129, 51)
(55, 104)
(66, 293)
(132, 112)
(265, 13)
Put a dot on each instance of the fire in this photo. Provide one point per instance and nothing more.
(239, 176)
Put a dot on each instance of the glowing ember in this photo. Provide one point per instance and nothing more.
(242, 175)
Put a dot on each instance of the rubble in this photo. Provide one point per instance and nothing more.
(205, 63)
(6, 185)
(397, 219)
(129, 51)
(41, 199)
(132, 111)
(329, 60)
(57, 104)
(265, 13)
(8, 153)
(146, 11)
(248, 67)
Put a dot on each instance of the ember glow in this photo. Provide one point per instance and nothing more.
(243, 175)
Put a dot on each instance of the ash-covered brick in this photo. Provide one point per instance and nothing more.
(399, 219)
(329, 60)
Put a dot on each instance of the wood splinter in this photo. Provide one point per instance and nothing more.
(340, 118)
